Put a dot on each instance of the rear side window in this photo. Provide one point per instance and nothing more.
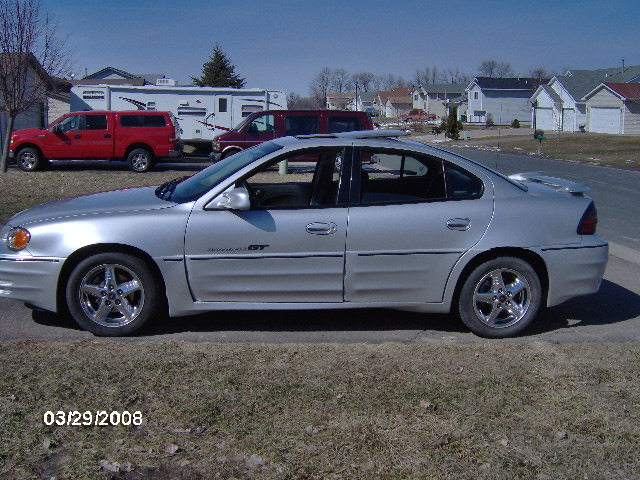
(143, 121)
(95, 122)
(301, 125)
(343, 124)
(461, 184)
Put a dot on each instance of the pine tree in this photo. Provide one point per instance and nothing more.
(219, 72)
(453, 125)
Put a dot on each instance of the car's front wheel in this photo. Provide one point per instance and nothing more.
(140, 160)
(112, 294)
(500, 298)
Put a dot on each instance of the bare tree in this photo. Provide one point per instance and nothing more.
(363, 81)
(539, 75)
(493, 68)
(320, 86)
(31, 52)
(454, 75)
(422, 76)
(296, 102)
(341, 81)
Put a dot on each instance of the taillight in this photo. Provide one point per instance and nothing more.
(589, 222)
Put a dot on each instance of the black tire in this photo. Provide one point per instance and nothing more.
(500, 298)
(140, 160)
(113, 294)
(29, 159)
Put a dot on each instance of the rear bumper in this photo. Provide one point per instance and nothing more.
(575, 270)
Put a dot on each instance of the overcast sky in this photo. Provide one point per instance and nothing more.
(282, 44)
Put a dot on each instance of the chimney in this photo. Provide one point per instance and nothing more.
(623, 65)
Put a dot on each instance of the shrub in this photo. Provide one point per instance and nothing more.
(515, 123)
(489, 121)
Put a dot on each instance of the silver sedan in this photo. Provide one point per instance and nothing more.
(351, 220)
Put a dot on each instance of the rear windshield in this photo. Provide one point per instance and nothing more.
(143, 121)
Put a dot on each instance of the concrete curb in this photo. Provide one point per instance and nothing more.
(624, 253)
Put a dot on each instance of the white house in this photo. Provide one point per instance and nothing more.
(437, 98)
(504, 99)
(614, 108)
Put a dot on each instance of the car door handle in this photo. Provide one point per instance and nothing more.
(106, 135)
(77, 135)
(461, 224)
(322, 228)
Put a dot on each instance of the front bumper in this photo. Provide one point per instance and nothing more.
(30, 279)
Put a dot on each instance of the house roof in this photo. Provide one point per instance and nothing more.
(626, 91)
(442, 88)
(552, 93)
(11, 60)
(397, 95)
(613, 75)
(507, 83)
(134, 78)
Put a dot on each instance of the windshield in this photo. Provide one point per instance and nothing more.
(193, 187)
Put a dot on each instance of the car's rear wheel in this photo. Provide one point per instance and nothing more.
(140, 160)
(500, 298)
(112, 294)
(30, 159)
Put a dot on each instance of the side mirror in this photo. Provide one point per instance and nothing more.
(55, 129)
(234, 199)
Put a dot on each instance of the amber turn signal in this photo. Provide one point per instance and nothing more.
(18, 238)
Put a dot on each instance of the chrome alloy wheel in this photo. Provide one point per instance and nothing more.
(502, 298)
(28, 160)
(111, 295)
(140, 162)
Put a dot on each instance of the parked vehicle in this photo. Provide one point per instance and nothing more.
(419, 116)
(138, 137)
(202, 112)
(419, 229)
(263, 126)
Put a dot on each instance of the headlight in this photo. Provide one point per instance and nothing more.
(18, 238)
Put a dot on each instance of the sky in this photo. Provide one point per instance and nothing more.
(283, 44)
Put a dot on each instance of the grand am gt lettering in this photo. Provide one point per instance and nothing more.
(338, 231)
(239, 249)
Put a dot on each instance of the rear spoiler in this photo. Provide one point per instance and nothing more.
(560, 184)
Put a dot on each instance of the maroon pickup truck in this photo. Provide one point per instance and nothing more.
(137, 137)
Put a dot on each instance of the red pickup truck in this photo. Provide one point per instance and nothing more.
(138, 137)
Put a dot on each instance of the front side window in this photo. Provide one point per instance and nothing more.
(68, 124)
(262, 123)
(313, 181)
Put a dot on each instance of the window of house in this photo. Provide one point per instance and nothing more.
(476, 95)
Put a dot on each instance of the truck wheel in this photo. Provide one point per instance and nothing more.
(140, 160)
(29, 159)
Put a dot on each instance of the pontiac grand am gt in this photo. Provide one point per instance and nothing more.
(366, 219)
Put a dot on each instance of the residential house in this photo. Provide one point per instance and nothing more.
(561, 105)
(115, 76)
(501, 99)
(438, 98)
(614, 108)
(36, 116)
(341, 101)
(396, 102)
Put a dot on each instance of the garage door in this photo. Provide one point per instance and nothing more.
(544, 118)
(604, 120)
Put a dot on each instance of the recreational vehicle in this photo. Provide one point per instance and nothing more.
(203, 112)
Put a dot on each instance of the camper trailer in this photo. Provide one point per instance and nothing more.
(202, 112)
